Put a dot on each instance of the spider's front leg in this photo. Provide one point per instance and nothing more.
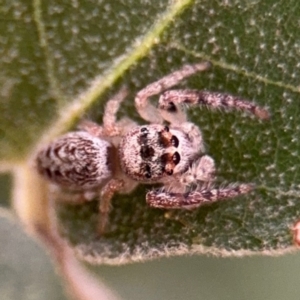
(111, 126)
(201, 174)
(170, 100)
(194, 199)
(148, 111)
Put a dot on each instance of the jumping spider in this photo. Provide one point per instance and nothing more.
(119, 155)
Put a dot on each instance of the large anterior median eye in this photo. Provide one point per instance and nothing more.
(169, 161)
(174, 141)
(176, 158)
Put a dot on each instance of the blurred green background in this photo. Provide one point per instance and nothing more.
(26, 273)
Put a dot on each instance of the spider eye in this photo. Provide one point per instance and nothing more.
(176, 158)
(169, 172)
(174, 141)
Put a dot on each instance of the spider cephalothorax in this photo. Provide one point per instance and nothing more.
(150, 153)
(118, 155)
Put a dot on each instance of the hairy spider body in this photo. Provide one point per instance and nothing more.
(120, 154)
(153, 152)
(77, 160)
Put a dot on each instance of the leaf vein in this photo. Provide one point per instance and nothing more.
(72, 111)
(236, 69)
(55, 89)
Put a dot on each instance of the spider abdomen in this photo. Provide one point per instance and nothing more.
(76, 160)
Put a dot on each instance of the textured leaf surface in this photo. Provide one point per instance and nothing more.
(55, 54)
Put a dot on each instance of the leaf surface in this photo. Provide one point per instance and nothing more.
(63, 61)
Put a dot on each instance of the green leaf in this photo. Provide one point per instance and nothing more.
(63, 61)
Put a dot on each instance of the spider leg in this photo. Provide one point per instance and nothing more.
(91, 127)
(111, 127)
(108, 191)
(203, 171)
(149, 112)
(170, 100)
(112, 107)
(189, 200)
(194, 134)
